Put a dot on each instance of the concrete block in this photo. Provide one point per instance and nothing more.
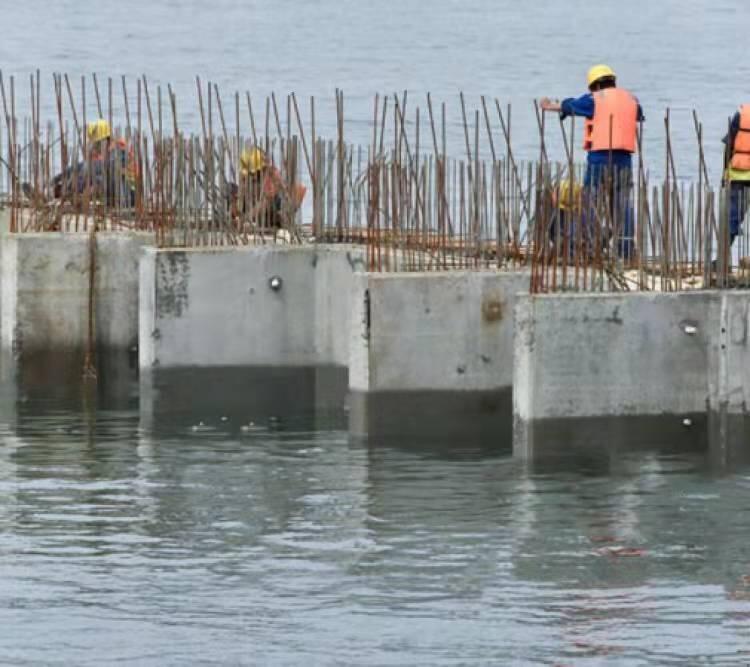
(44, 315)
(450, 331)
(218, 307)
(336, 268)
(729, 369)
(633, 354)
(45, 287)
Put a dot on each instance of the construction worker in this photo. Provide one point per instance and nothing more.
(263, 195)
(610, 136)
(737, 168)
(110, 169)
(112, 163)
(566, 200)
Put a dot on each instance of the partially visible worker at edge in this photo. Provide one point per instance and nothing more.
(110, 169)
(567, 200)
(737, 168)
(610, 138)
(263, 195)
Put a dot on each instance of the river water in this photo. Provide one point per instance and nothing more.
(273, 537)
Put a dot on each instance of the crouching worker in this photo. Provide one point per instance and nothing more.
(567, 218)
(110, 172)
(262, 196)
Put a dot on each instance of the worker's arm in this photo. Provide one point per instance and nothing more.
(734, 126)
(571, 106)
(577, 106)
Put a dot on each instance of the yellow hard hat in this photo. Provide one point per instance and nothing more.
(568, 200)
(98, 130)
(252, 161)
(600, 72)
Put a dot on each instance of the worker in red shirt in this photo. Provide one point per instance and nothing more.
(263, 195)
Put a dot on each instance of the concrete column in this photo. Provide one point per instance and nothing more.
(44, 318)
(612, 355)
(729, 379)
(450, 331)
(431, 354)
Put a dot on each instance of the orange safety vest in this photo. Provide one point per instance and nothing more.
(272, 184)
(613, 125)
(741, 146)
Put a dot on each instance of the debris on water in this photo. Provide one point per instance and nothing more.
(687, 422)
(224, 419)
(690, 329)
(274, 422)
(597, 649)
(621, 552)
(200, 426)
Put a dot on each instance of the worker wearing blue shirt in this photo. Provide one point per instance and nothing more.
(737, 168)
(610, 136)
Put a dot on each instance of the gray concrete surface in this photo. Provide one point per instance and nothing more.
(45, 287)
(635, 354)
(450, 331)
(44, 314)
(216, 306)
(4, 220)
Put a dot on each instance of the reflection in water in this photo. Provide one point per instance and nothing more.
(289, 541)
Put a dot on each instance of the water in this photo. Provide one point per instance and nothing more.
(172, 534)
(175, 537)
(670, 53)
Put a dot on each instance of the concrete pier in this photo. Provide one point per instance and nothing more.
(45, 280)
(585, 356)
(432, 352)
(456, 354)
(246, 306)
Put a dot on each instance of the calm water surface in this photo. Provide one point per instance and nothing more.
(201, 538)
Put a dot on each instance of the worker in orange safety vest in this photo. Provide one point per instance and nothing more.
(737, 168)
(610, 135)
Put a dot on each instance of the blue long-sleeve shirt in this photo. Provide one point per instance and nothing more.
(584, 106)
(734, 127)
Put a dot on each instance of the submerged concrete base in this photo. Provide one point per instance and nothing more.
(465, 418)
(242, 399)
(728, 440)
(431, 355)
(47, 322)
